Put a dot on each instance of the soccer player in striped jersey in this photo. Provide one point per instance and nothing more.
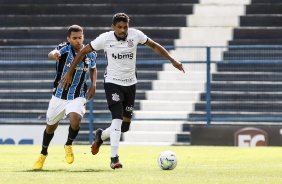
(120, 46)
(69, 102)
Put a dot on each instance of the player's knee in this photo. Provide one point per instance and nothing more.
(125, 126)
(50, 129)
(116, 110)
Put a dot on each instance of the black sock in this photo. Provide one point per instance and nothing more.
(72, 135)
(46, 141)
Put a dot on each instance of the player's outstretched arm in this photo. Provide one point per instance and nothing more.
(163, 52)
(67, 78)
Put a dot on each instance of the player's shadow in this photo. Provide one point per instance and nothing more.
(63, 170)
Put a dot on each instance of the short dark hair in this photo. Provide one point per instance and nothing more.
(118, 17)
(74, 28)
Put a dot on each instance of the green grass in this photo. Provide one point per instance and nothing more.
(196, 164)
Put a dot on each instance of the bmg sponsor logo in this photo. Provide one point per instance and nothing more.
(251, 137)
(128, 55)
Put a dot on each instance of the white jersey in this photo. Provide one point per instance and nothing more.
(120, 55)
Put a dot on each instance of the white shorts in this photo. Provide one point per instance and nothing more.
(58, 109)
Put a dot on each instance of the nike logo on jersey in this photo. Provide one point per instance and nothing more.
(112, 45)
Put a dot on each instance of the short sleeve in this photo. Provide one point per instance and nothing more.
(142, 37)
(93, 60)
(99, 42)
(62, 47)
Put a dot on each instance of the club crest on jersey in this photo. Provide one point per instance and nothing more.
(87, 60)
(115, 97)
(130, 43)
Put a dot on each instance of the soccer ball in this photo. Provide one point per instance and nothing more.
(167, 160)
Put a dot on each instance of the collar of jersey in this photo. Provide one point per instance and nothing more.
(120, 39)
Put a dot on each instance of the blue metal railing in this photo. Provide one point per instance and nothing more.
(255, 54)
(208, 88)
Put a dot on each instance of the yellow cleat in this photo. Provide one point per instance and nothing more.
(69, 154)
(40, 162)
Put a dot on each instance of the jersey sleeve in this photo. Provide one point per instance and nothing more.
(142, 37)
(62, 47)
(93, 57)
(59, 46)
(98, 43)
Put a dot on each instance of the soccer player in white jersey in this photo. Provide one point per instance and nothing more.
(68, 102)
(120, 47)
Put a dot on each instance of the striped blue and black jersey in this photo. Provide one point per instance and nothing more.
(78, 87)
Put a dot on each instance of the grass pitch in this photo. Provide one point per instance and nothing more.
(196, 164)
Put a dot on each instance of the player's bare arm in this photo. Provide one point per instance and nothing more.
(67, 79)
(55, 55)
(163, 52)
(93, 77)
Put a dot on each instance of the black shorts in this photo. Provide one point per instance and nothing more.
(121, 94)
